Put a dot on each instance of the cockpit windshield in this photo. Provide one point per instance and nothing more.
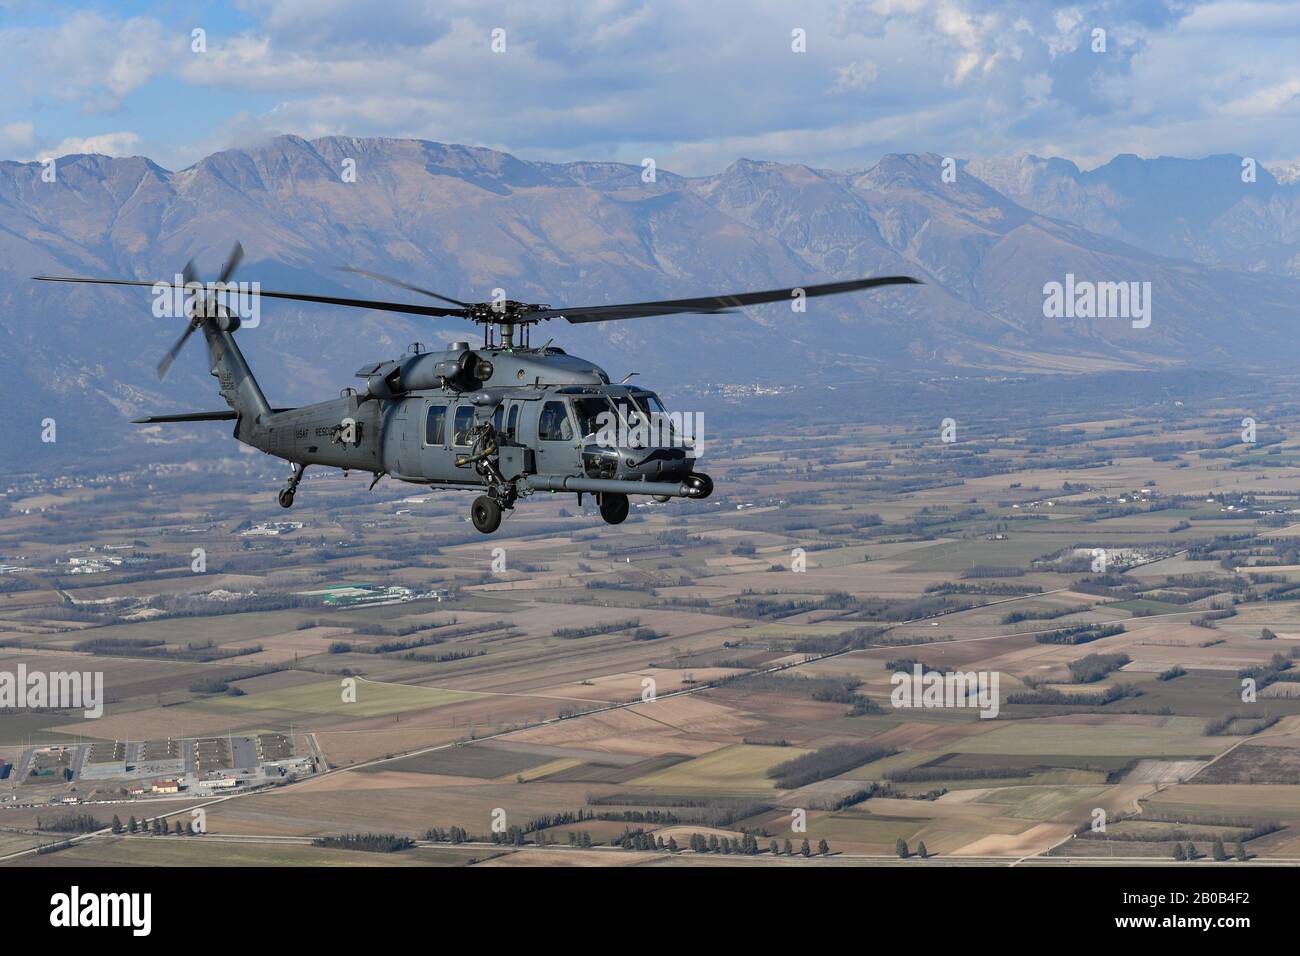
(656, 418)
(650, 401)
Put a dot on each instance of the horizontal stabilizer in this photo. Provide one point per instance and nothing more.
(228, 415)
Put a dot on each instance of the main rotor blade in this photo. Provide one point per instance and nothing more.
(142, 282)
(405, 285)
(188, 274)
(175, 350)
(402, 307)
(710, 305)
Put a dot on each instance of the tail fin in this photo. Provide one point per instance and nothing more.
(235, 381)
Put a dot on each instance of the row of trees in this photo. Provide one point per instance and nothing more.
(370, 842)
(70, 823)
(748, 846)
(159, 826)
(1217, 851)
(824, 763)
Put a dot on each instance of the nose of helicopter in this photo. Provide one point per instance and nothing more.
(657, 464)
(648, 464)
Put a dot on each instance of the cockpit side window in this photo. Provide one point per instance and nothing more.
(464, 422)
(594, 415)
(553, 425)
(512, 421)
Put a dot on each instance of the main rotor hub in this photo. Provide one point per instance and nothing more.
(507, 312)
(504, 315)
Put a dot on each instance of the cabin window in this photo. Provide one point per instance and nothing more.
(554, 423)
(496, 418)
(464, 423)
(512, 421)
(435, 425)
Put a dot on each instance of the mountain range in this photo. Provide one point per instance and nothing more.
(1222, 256)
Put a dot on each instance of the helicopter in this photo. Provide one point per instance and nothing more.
(505, 419)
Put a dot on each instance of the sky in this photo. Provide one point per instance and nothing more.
(693, 85)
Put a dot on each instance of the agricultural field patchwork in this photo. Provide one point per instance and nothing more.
(1121, 635)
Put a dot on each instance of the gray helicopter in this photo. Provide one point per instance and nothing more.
(505, 419)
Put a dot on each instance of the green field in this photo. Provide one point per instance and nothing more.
(1149, 606)
(1178, 737)
(1275, 801)
(326, 697)
(469, 761)
(208, 851)
(1040, 803)
(960, 555)
(1031, 761)
(878, 768)
(1059, 775)
(739, 767)
(856, 826)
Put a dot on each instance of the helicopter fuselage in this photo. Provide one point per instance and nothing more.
(505, 421)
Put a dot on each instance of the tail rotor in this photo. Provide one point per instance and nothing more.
(210, 307)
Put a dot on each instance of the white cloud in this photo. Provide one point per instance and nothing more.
(1235, 17)
(17, 137)
(855, 76)
(1281, 98)
(109, 144)
(1037, 89)
(90, 58)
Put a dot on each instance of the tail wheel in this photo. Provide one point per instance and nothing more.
(286, 498)
(486, 514)
(613, 507)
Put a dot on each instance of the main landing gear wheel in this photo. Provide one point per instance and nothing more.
(486, 514)
(286, 495)
(613, 507)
